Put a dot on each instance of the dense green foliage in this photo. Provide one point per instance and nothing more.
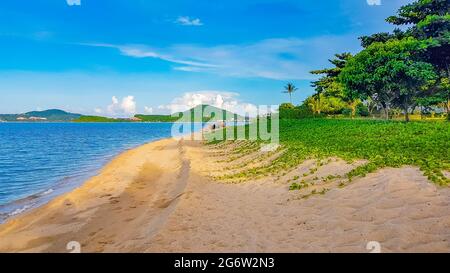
(382, 143)
(156, 118)
(427, 21)
(289, 111)
(389, 73)
(395, 72)
(99, 119)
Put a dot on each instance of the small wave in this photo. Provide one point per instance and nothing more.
(47, 192)
(20, 210)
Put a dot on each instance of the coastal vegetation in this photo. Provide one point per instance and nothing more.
(359, 103)
(397, 74)
(100, 119)
(156, 118)
(206, 113)
(381, 143)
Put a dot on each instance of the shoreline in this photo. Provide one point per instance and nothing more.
(63, 186)
(82, 192)
(161, 197)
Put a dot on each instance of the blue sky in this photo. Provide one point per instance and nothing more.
(118, 58)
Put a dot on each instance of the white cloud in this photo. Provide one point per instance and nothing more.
(73, 2)
(373, 2)
(148, 110)
(280, 58)
(221, 99)
(128, 105)
(140, 51)
(187, 21)
(125, 107)
(98, 110)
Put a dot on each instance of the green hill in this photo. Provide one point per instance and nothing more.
(52, 115)
(210, 114)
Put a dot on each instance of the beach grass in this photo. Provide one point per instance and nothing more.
(381, 143)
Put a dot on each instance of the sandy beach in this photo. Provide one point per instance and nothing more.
(164, 197)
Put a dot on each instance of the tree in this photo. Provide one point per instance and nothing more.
(328, 84)
(418, 11)
(284, 106)
(382, 37)
(430, 20)
(353, 106)
(325, 104)
(371, 105)
(289, 89)
(329, 89)
(389, 73)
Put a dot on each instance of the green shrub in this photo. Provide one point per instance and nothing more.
(288, 111)
(362, 110)
(347, 112)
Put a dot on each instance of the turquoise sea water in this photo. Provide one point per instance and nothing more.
(41, 160)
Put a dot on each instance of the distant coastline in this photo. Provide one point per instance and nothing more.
(57, 115)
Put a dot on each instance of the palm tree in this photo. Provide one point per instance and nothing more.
(315, 103)
(289, 89)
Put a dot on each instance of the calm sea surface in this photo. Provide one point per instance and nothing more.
(41, 160)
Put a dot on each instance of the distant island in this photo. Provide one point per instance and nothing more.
(52, 115)
(56, 115)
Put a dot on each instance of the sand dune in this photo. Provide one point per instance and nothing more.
(160, 198)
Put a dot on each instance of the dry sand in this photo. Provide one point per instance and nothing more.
(160, 197)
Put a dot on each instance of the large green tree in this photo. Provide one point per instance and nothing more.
(430, 20)
(390, 73)
(328, 83)
(425, 20)
(382, 37)
(329, 94)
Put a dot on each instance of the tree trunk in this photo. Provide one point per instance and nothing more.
(405, 107)
(290, 97)
(447, 107)
(353, 110)
(318, 104)
(413, 108)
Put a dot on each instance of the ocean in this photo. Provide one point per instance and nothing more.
(39, 161)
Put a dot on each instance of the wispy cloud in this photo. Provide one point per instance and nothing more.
(373, 2)
(73, 2)
(279, 58)
(187, 21)
(141, 51)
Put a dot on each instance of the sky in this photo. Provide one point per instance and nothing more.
(118, 58)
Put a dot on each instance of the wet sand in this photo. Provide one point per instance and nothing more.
(162, 197)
